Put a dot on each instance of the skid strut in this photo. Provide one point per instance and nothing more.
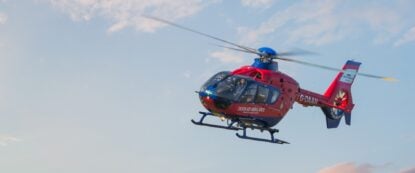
(240, 124)
(230, 126)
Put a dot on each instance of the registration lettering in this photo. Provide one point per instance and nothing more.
(348, 76)
(308, 99)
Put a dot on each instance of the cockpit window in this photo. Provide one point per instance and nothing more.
(231, 87)
(215, 79)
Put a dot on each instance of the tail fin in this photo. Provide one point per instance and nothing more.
(340, 95)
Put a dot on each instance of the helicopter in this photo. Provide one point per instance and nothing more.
(258, 96)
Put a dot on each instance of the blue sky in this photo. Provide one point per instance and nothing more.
(90, 86)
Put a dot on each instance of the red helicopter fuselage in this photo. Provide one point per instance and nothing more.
(267, 95)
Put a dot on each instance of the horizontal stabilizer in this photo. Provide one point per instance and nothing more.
(333, 120)
(348, 118)
(331, 123)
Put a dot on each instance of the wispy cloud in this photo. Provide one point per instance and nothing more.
(408, 170)
(304, 14)
(257, 3)
(187, 74)
(127, 13)
(7, 139)
(409, 36)
(348, 167)
(3, 18)
(324, 21)
(227, 56)
(351, 167)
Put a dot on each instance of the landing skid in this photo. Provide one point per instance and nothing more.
(230, 126)
(240, 124)
(271, 132)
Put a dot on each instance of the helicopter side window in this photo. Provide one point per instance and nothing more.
(274, 93)
(262, 95)
(249, 95)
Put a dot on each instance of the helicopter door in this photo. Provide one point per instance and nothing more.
(249, 94)
(262, 95)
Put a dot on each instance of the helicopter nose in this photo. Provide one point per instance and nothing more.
(206, 100)
(221, 103)
(211, 101)
(206, 94)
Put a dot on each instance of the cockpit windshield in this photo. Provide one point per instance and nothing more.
(231, 87)
(240, 89)
(214, 79)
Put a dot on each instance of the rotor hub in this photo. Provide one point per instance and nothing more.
(267, 52)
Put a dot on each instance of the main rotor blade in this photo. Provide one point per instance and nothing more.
(236, 49)
(297, 52)
(335, 69)
(248, 49)
(390, 79)
(288, 53)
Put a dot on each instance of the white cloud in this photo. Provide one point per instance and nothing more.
(6, 140)
(226, 56)
(408, 170)
(127, 13)
(409, 36)
(324, 21)
(306, 20)
(3, 18)
(348, 168)
(351, 167)
(257, 3)
(187, 74)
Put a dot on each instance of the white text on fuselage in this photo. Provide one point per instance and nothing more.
(308, 99)
(252, 110)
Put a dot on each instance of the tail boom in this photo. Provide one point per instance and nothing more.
(337, 101)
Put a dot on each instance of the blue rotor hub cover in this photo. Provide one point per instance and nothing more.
(268, 51)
